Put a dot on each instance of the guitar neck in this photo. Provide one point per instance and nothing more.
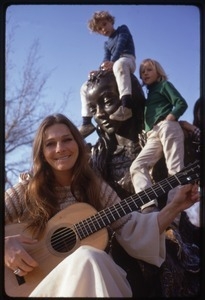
(111, 214)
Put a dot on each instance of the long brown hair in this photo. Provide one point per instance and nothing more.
(41, 195)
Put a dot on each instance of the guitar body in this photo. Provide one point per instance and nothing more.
(57, 242)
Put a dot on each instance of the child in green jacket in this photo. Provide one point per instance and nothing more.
(163, 107)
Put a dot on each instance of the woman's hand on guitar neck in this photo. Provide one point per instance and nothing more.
(16, 257)
(185, 197)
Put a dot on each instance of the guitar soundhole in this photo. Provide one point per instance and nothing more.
(63, 239)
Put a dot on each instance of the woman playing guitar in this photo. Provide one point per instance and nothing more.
(57, 218)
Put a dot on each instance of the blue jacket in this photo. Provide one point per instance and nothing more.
(119, 43)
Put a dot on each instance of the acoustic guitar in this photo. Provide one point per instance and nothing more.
(80, 224)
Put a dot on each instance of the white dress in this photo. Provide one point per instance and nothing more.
(89, 272)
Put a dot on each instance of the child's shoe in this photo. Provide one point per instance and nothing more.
(86, 130)
(122, 114)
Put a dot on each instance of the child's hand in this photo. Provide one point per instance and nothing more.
(170, 117)
(107, 65)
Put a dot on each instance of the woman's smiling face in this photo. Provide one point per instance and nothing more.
(60, 148)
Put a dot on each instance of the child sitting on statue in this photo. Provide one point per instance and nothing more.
(119, 57)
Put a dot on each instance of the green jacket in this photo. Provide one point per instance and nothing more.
(163, 99)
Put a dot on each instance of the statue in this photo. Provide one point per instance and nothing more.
(118, 142)
(117, 146)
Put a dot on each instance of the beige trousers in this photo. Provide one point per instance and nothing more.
(165, 138)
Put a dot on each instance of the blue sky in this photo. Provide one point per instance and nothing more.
(167, 33)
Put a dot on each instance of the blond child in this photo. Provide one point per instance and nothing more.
(163, 107)
(119, 56)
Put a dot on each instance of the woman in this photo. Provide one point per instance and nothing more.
(61, 176)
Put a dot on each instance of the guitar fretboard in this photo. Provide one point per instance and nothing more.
(110, 214)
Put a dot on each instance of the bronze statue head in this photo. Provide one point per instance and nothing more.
(103, 97)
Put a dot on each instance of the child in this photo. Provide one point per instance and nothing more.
(163, 107)
(119, 56)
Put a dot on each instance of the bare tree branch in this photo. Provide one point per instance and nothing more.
(25, 107)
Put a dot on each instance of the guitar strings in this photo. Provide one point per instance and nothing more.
(103, 218)
(160, 188)
(66, 236)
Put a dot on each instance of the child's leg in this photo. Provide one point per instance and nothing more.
(87, 126)
(172, 137)
(122, 69)
(85, 110)
(141, 166)
(144, 162)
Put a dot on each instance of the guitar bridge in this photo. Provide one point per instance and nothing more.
(152, 202)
